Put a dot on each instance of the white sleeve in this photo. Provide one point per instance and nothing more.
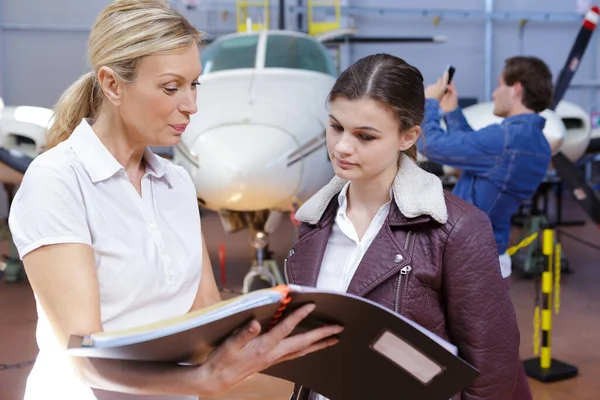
(48, 208)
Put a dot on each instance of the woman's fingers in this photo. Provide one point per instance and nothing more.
(240, 339)
(245, 352)
(289, 323)
(305, 341)
(330, 341)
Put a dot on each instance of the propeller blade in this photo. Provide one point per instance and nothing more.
(581, 42)
(576, 183)
(387, 39)
(336, 33)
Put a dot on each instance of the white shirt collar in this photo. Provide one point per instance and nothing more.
(343, 198)
(99, 162)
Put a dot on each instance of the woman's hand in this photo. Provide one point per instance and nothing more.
(247, 353)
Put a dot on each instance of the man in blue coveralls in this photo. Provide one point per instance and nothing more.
(501, 164)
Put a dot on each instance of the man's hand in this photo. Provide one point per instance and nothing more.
(449, 101)
(437, 89)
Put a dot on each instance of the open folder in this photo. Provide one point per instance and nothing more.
(380, 352)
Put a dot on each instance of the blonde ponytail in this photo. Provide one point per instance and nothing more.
(124, 33)
(81, 100)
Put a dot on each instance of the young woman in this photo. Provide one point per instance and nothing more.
(384, 229)
(110, 234)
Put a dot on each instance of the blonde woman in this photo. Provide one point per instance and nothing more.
(110, 234)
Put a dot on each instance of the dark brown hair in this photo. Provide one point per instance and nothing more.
(389, 80)
(536, 79)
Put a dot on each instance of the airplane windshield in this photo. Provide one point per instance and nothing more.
(233, 53)
(297, 52)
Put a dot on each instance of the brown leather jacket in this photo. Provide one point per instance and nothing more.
(434, 261)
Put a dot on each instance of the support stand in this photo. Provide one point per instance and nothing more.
(558, 370)
(530, 260)
(544, 368)
(559, 220)
(552, 183)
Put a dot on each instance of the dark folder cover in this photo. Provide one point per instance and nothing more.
(380, 353)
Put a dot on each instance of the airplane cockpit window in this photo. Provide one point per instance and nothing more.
(230, 53)
(288, 51)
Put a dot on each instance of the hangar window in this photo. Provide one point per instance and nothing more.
(297, 52)
(230, 53)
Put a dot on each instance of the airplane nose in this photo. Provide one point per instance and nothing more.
(244, 167)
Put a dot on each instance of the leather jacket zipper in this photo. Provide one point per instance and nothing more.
(402, 282)
(285, 265)
(407, 241)
(402, 289)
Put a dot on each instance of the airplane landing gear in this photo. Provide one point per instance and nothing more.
(264, 272)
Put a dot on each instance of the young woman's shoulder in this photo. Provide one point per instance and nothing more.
(464, 215)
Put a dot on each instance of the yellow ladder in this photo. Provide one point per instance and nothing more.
(316, 28)
(242, 13)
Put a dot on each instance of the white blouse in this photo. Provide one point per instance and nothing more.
(148, 248)
(345, 250)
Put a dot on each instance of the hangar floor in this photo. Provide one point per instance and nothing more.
(575, 337)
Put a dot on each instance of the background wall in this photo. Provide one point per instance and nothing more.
(43, 43)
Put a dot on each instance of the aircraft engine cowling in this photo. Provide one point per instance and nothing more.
(252, 175)
(578, 130)
(23, 129)
(256, 140)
